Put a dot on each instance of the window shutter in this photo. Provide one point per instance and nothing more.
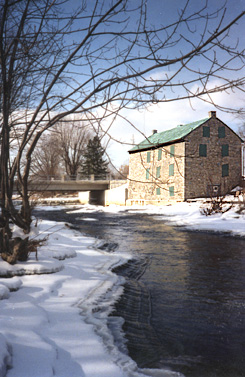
(221, 132)
(148, 156)
(203, 150)
(158, 172)
(171, 169)
(225, 150)
(206, 131)
(147, 173)
(158, 191)
(171, 191)
(172, 151)
(225, 170)
(159, 154)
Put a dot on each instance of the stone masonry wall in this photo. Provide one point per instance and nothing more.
(153, 181)
(204, 173)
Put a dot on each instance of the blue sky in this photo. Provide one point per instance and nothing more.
(160, 8)
(168, 115)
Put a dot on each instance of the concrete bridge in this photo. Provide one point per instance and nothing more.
(68, 186)
(96, 188)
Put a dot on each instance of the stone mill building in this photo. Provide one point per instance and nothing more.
(200, 159)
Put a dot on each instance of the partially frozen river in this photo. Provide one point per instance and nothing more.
(184, 299)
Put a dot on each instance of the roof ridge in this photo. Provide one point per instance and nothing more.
(168, 136)
(187, 124)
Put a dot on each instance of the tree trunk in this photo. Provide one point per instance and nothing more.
(17, 250)
(26, 211)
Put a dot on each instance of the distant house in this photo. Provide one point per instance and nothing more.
(199, 159)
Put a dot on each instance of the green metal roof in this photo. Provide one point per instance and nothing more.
(167, 137)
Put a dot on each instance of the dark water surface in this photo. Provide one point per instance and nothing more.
(184, 298)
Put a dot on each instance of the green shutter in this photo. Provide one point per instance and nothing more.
(158, 172)
(148, 156)
(225, 170)
(225, 150)
(158, 191)
(171, 169)
(206, 131)
(171, 191)
(159, 154)
(172, 151)
(202, 150)
(221, 132)
(147, 173)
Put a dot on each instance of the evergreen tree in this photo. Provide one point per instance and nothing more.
(94, 163)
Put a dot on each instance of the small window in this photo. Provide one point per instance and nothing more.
(225, 150)
(203, 150)
(225, 170)
(147, 173)
(221, 132)
(172, 151)
(148, 156)
(159, 154)
(206, 131)
(171, 169)
(171, 191)
(158, 172)
(158, 191)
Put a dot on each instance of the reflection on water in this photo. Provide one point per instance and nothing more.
(184, 298)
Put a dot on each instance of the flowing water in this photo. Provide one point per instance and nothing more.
(184, 296)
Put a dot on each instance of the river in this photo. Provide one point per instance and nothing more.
(183, 301)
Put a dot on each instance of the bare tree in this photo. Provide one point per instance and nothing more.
(61, 150)
(72, 137)
(124, 170)
(241, 132)
(120, 173)
(94, 61)
(46, 160)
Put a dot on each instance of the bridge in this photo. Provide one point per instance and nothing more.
(96, 187)
(68, 186)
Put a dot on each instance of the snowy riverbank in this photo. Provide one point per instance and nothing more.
(53, 310)
(189, 215)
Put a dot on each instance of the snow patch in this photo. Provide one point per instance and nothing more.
(12, 284)
(30, 267)
(18, 232)
(4, 292)
(189, 215)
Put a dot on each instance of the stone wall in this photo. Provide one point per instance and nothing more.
(207, 163)
(151, 180)
(203, 174)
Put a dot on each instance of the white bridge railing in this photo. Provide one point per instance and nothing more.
(78, 177)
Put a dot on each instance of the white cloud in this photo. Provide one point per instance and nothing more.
(167, 115)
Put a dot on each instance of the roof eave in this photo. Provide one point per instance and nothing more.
(156, 146)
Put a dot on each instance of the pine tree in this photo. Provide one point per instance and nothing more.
(94, 163)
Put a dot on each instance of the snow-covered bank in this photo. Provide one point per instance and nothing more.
(53, 316)
(54, 310)
(189, 215)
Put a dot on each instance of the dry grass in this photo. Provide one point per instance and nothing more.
(33, 245)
